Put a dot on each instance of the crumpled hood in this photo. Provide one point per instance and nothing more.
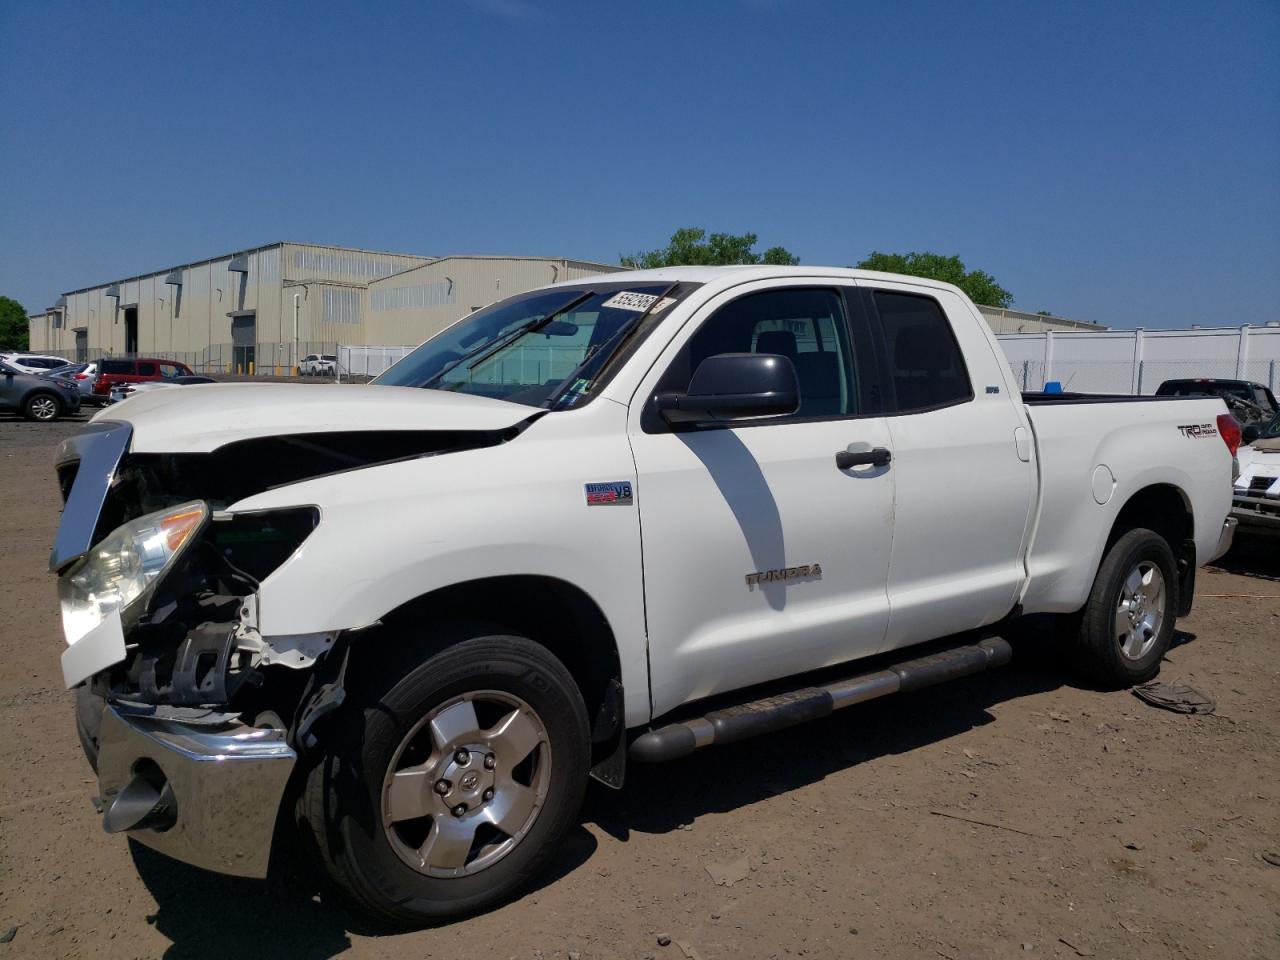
(203, 417)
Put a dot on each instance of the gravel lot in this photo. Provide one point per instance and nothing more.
(1011, 815)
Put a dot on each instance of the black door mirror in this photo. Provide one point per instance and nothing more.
(735, 386)
(1250, 433)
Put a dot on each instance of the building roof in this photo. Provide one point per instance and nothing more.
(238, 253)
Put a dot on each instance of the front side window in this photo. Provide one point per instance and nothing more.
(924, 359)
(804, 325)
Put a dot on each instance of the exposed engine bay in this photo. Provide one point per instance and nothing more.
(191, 640)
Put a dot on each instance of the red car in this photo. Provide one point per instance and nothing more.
(140, 370)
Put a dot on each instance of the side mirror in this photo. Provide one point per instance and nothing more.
(1250, 433)
(734, 386)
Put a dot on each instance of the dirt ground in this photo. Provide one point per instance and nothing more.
(1010, 815)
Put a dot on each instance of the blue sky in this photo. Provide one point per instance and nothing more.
(1117, 162)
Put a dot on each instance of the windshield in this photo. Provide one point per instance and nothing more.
(1272, 429)
(543, 348)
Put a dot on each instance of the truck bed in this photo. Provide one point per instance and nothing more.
(1095, 453)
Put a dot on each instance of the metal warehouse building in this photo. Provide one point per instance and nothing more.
(263, 309)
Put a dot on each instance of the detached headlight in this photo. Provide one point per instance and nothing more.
(125, 566)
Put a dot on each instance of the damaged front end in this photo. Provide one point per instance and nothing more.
(192, 717)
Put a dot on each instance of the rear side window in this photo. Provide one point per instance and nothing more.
(924, 359)
(117, 366)
(146, 369)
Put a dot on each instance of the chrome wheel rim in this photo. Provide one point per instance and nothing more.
(1140, 610)
(44, 408)
(466, 784)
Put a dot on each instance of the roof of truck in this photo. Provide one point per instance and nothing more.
(748, 272)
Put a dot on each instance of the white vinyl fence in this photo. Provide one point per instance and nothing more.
(369, 361)
(1095, 361)
(1138, 361)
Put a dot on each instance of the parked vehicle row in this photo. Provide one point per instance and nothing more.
(36, 397)
(33, 362)
(123, 391)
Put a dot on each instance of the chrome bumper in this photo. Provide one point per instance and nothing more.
(1227, 536)
(224, 784)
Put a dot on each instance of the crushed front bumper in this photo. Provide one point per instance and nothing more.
(217, 788)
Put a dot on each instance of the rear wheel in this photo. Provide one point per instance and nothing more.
(449, 788)
(43, 407)
(1127, 625)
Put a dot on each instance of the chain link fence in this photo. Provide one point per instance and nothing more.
(257, 359)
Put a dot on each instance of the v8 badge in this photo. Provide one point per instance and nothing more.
(615, 493)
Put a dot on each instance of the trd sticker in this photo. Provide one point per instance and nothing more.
(638, 302)
(805, 571)
(1197, 430)
(615, 493)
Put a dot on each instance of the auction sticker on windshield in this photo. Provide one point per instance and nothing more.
(639, 302)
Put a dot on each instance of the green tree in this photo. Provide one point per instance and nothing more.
(13, 325)
(979, 285)
(690, 246)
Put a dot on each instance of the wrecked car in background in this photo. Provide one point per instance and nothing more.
(1256, 500)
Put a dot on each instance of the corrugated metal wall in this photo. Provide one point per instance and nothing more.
(301, 262)
(189, 317)
(1018, 321)
(184, 317)
(410, 307)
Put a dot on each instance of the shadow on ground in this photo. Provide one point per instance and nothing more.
(1250, 556)
(209, 916)
(661, 797)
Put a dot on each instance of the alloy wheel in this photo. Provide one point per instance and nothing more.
(1139, 611)
(466, 784)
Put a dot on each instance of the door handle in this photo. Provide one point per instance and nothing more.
(875, 457)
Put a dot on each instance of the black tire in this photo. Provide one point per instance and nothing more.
(36, 405)
(1098, 645)
(340, 807)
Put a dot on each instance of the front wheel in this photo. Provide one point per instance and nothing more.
(43, 407)
(1127, 624)
(448, 789)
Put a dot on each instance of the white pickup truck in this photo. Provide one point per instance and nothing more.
(602, 522)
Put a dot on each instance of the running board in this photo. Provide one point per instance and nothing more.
(788, 709)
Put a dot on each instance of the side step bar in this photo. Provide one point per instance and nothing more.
(788, 709)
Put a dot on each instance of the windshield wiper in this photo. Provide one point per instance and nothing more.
(604, 353)
(529, 326)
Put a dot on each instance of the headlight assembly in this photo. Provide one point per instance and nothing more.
(124, 567)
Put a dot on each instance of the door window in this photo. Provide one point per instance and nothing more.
(924, 359)
(806, 326)
(146, 369)
(169, 371)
